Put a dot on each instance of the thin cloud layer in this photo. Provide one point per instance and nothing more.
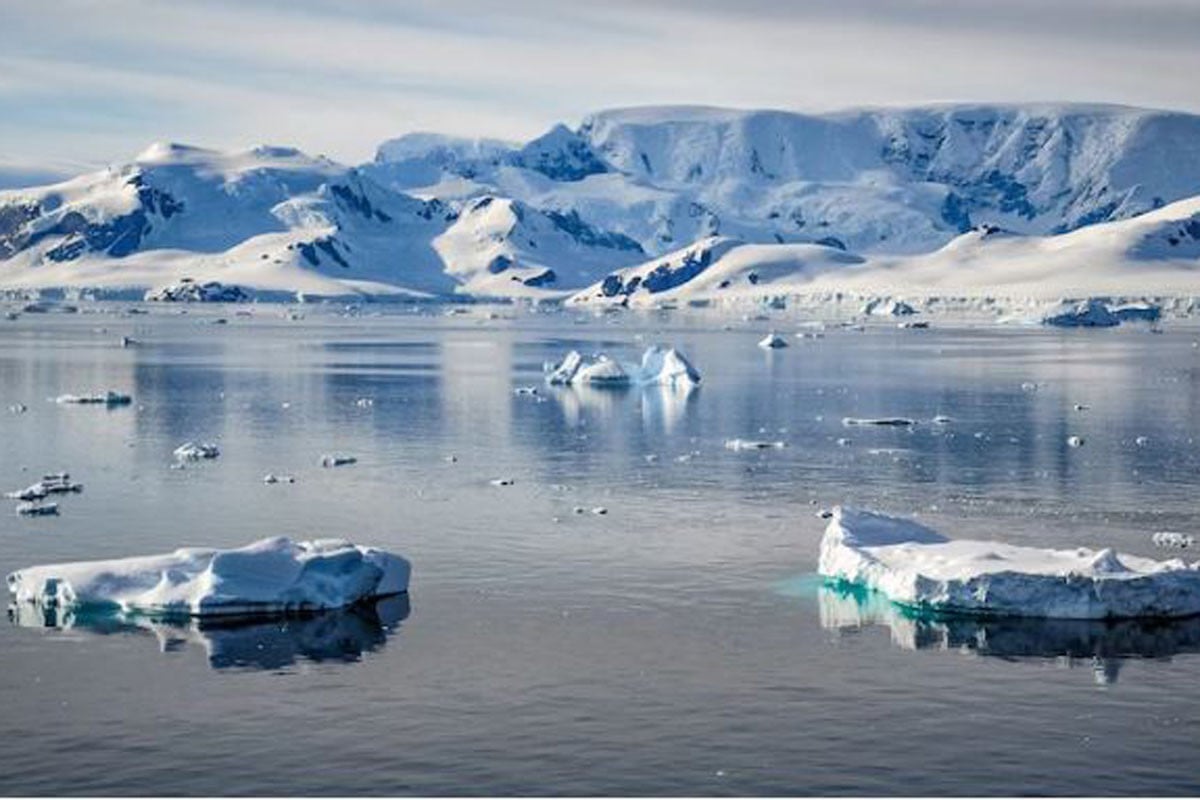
(95, 81)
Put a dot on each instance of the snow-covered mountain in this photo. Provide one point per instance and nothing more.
(629, 200)
(1156, 254)
(871, 181)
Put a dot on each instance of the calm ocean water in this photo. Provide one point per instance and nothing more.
(679, 643)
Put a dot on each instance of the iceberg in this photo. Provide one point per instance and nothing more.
(275, 575)
(890, 308)
(915, 567)
(1137, 312)
(37, 509)
(772, 341)
(337, 460)
(188, 291)
(1086, 314)
(192, 451)
(660, 366)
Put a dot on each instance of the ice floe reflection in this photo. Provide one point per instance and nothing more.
(255, 643)
(1102, 645)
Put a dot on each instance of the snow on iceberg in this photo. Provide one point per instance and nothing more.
(915, 567)
(276, 575)
(660, 366)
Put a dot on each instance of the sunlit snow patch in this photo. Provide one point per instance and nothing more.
(274, 575)
(916, 567)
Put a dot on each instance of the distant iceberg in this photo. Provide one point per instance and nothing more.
(1085, 314)
(660, 366)
(918, 568)
(188, 291)
(274, 575)
(109, 398)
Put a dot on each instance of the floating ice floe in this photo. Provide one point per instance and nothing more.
(337, 460)
(188, 291)
(106, 399)
(753, 444)
(196, 451)
(1173, 539)
(915, 567)
(893, 422)
(276, 575)
(53, 483)
(660, 366)
(37, 509)
(772, 341)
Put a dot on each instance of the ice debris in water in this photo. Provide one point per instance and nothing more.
(753, 444)
(271, 478)
(772, 341)
(502, 482)
(337, 460)
(916, 567)
(18, 408)
(37, 509)
(893, 422)
(1173, 539)
(275, 575)
(364, 402)
(196, 451)
(660, 366)
(109, 398)
(1074, 441)
(53, 483)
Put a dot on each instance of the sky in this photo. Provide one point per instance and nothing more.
(89, 82)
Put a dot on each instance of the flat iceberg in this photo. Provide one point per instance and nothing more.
(915, 567)
(276, 575)
(660, 366)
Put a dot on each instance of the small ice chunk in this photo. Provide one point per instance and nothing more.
(337, 460)
(1142, 441)
(276, 575)
(18, 408)
(941, 419)
(753, 444)
(1173, 539)
(108, 398)
(196, 451)
(599, 511)
(525, 390)
(772, 341)
(502, 482)
(364, 402)
(1074, 441)
(273, 478)
(894, 422)
(37, 509)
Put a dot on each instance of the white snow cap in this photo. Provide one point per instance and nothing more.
(273, 575)
(916, 567)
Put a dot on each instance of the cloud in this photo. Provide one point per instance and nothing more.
(83, 79)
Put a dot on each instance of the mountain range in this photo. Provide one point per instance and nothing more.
(689, 201)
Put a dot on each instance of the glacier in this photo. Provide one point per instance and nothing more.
(275, 575)
(918, 568)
